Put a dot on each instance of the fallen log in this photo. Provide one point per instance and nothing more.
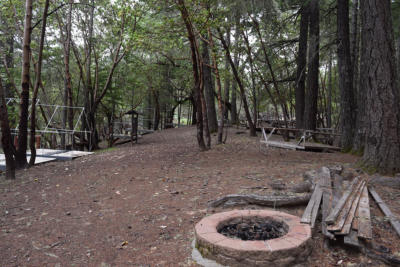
(271, 200)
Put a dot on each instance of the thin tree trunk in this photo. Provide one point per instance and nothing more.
(347, 119)
(234, 117)
(227, 82)
(209, 89)
(379, 78)
(329, 100)
(252, 126)
(301, 66)
(20, 157)
(157, 114)
(311, 100)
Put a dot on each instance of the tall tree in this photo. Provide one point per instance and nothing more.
(379, 78)
(347, 103)
(197, 72)
(209, 89)
(311, 101)
(301, 66)
(37, 84)
(20, 157)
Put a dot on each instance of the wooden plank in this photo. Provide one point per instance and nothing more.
(335, 212)
(385, 209)
(354, 224)
(327, 197)
(351, 239)
(337, 188)
(286, 145)
(307, 215)
(347, 224)
(341, 219)
(364, 216)
(315, 209)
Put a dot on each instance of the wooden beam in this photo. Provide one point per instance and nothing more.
(347, 224)
(364, 216)
(335, 212)
(307, 215)
(327, 197)
(385, 209)
(351, 239)
(341, 219)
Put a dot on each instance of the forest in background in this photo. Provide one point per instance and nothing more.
(322, 64)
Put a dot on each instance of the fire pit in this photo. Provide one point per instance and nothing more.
(253, 238)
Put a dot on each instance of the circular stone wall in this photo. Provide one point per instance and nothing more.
(291, 249)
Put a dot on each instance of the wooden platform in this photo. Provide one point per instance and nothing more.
(47, 155)
(38, 160)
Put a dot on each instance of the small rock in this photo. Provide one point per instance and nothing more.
(68, 213)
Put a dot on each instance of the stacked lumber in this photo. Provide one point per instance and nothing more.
(344, 212)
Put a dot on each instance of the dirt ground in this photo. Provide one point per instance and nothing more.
(137, 205)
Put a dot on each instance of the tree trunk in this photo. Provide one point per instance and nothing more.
(227, 82)
(88, 86)
(157, 114)
(234, 114)
(37, 84)
(20, 157)
(197, 73)
(330, 88)
(359, 134)
(6, 139)
(301, 66)
(67, 113)
(252, 126)
(379, 78)
(209, 89)
(347, 104)
(194, 110)
(219, 88)
(311, 101)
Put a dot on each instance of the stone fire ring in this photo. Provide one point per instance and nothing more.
(291, 249)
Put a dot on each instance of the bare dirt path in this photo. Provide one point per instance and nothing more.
(135, 205)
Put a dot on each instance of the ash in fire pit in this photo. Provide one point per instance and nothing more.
(253, 228)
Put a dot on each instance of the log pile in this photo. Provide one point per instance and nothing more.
(345, 209)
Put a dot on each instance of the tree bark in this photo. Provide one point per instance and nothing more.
(227, 81)
(311, 101)
(67, 113)
(234, 114)
(196, 72)
(209, 89)
(20, 157)
(302, 66)
(6, 139)
(379, 78)
(37, 84)
(347, 103)
(221, 107)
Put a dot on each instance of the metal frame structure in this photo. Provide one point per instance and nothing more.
(50, 130)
